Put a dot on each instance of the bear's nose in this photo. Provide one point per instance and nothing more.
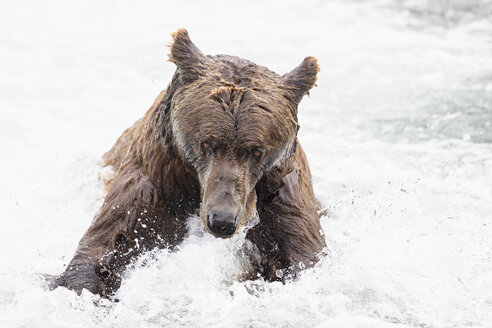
(222, 223)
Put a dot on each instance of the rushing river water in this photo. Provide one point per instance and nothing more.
(398, 134)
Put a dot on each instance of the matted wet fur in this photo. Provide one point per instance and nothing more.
(220, 141)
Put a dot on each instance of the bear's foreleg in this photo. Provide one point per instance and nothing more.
(289, 235)
(133, 219)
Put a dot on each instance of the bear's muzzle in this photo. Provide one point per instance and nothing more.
(221, 223)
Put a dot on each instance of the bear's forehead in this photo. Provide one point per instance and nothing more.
(242, 73)
(237, 67)
(233, 116)
(236, 102)
(231, 80)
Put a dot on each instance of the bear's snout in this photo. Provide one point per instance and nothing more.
(221, 223)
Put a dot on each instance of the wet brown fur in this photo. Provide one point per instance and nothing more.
(161, 178)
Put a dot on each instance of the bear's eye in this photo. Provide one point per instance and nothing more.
(207, 148)
(256, 153)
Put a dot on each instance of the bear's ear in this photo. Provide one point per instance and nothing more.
(301, 79)
(188, 58)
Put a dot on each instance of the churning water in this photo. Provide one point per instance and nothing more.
(398, 134)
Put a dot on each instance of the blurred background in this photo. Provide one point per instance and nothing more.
(398, 134)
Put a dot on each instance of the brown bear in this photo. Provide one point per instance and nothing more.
(221, 142)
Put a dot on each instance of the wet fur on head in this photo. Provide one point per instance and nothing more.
(238, 106)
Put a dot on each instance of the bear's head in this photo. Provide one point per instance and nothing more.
(232, 122)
